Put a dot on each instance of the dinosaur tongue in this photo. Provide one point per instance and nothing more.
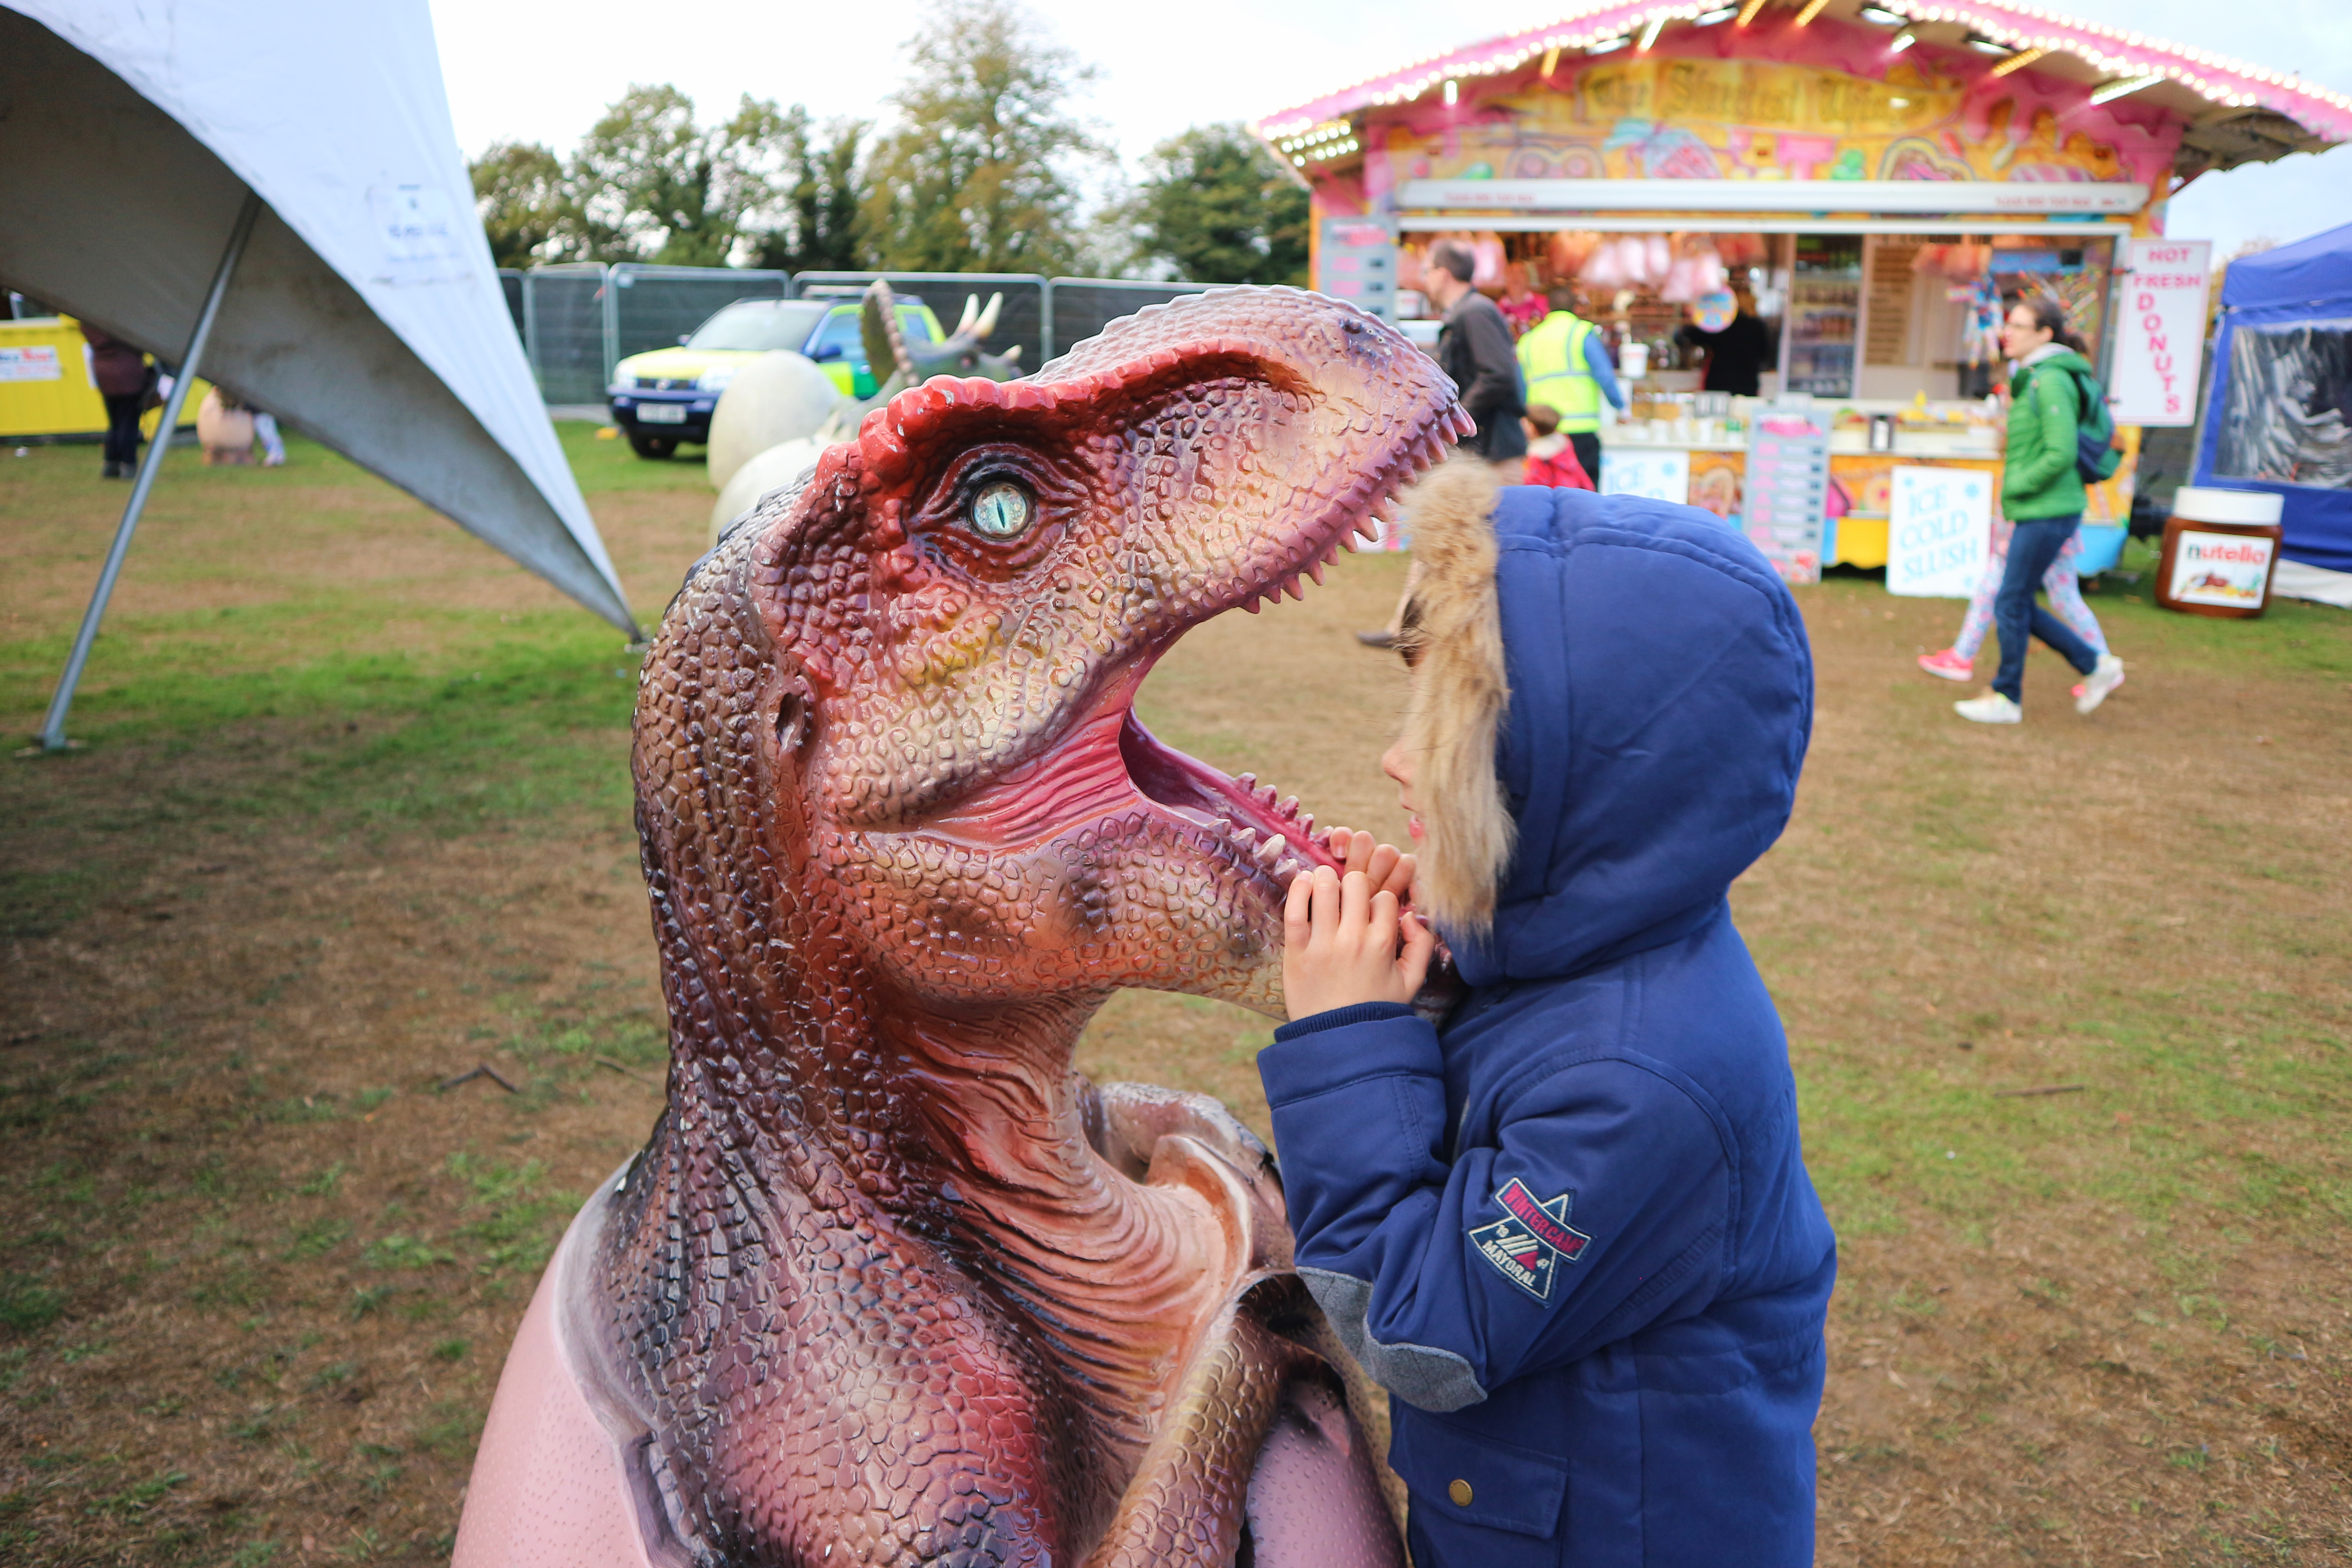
(1243, 808)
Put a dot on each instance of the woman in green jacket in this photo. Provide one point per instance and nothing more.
(2041, 493)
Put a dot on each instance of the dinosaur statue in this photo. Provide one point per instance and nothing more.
(892, 1283)
(902, 364)
(961, 354)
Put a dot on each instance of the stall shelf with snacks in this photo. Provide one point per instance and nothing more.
(1827, 199)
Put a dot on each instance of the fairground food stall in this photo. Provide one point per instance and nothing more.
(1873, 179)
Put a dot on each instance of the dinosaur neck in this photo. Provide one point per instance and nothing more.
(965, 1131)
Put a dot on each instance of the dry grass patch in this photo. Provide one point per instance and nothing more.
(257, 1271)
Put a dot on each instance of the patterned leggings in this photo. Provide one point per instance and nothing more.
(2064, 588)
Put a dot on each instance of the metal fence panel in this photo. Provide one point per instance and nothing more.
(578, 319)
(564, 331)
(1083, 306)
(653, 307)
(1026, 318)
(511, 285)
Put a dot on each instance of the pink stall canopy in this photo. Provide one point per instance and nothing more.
(2233, 112)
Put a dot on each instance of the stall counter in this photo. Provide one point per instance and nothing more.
(1713, 461)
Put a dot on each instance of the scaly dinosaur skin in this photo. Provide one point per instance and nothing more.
(892, 1283)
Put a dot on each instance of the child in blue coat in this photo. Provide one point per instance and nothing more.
(1569, 1227)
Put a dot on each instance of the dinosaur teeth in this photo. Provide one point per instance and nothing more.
(1248, 782)
(1267, 853)
(1289, 807)
(1245, 837)
(1290, 587)
(1307, 829)
(1265, 795)
(1315, 569)
(1250, 605)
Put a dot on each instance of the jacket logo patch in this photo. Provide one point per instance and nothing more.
(1529, 1246)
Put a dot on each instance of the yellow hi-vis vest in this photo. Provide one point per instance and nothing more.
(1551, 358)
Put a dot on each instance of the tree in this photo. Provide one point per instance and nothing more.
(979, 175)
(652, 185)
(525, 202)
(1215, 204)
(818, 227)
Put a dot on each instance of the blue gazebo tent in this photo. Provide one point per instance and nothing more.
(2279, 417)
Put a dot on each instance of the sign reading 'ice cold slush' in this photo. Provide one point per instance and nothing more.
(1939, 531)
(2160, 332)
(1654, 476)
(2231, 570)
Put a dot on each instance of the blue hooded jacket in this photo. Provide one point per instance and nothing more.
(1571, 1230)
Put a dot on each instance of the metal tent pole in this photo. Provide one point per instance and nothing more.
(53, 729)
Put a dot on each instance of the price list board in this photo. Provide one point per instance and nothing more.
(1788, 486)
(1357, 263)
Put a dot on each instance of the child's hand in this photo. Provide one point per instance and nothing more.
(1341, 933)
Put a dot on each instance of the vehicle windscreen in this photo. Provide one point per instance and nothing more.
(844, 334)
(758, 326)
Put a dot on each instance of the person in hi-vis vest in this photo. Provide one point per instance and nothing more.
(1566, 364)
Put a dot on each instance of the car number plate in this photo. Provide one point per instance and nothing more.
(661, 413)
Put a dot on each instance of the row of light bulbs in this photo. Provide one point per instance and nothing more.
(1321, 143)
(2131, 75)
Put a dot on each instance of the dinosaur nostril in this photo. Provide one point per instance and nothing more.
(790, 712)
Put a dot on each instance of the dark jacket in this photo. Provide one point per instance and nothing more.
(1475, 348)
(119, 368)
(1736, 356)
(1571, 1229)
(2038, 479)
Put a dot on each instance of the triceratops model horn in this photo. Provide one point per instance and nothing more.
(970, 312)
(885, 346)
(987, 322)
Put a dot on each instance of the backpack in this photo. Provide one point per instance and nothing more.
(2096, 457)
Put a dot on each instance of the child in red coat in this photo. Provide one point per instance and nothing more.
(1550, 460)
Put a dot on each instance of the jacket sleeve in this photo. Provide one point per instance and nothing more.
(2055, 414)
(1410, 1253)
(1495, 363)
(1604, 374)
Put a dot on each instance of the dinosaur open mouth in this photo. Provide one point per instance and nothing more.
(1271, 830)
(1254, 819)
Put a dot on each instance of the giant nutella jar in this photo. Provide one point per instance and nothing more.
(2220, 549)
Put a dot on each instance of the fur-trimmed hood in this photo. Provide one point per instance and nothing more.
(1612, 700)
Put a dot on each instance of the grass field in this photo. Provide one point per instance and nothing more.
(352, 819)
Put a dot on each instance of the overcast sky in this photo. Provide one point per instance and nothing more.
(542, 73)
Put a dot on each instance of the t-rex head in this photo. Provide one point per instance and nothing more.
(887, 727)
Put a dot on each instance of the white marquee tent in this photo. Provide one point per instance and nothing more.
(135, 137)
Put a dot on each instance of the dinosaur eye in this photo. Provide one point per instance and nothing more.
(1002, 510)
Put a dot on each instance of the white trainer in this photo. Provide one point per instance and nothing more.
(1992, 708)
(2104, 679)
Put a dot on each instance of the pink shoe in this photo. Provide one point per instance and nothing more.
(1946, 665)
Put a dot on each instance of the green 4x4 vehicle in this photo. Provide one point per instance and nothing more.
(664, 397)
